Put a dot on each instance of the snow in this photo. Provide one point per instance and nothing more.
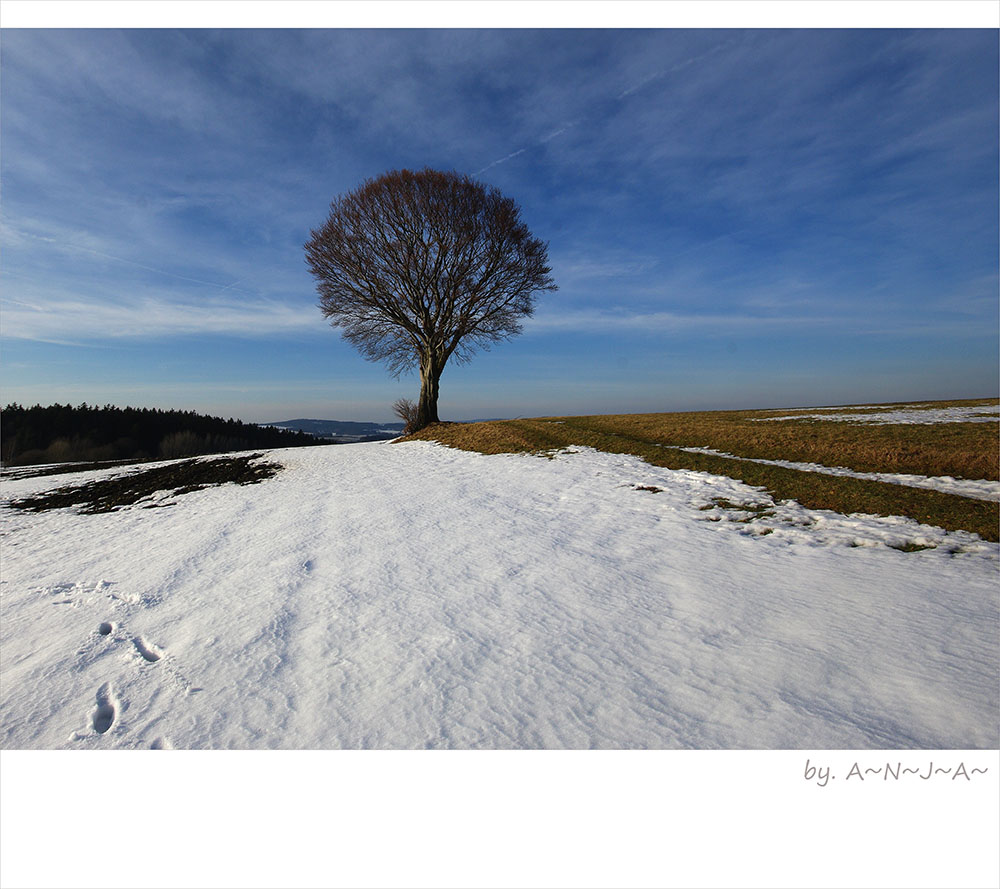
(913, 414)
(977, 489)
(415, 596)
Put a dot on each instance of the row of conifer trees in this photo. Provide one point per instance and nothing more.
(62, 433)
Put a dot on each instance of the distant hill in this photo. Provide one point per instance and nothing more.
(339, 428)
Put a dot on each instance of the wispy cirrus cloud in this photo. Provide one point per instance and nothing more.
(68, 246)
(722, 322)
(75, 320)
(733, 324)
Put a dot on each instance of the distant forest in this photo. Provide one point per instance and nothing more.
(63, 434)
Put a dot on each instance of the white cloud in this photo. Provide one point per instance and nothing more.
(735, 323)
(69, 319)
(599, 321)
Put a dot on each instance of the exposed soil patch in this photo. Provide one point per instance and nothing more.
(184, 477)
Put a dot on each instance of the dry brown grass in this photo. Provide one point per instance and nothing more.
(967, 450)
(962, 450)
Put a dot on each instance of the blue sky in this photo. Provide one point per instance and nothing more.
(735, 218)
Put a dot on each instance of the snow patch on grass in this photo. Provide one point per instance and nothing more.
(977, 489)
(912, 414)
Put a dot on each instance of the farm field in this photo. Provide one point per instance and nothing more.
(415, 595)
(883, 460)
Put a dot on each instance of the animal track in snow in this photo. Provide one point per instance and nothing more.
(148, 651)
(127, 598)
(79, 593)
(104, 715)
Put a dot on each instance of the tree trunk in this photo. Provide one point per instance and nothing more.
(430, 374)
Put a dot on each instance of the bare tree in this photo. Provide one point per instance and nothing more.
(417, 268)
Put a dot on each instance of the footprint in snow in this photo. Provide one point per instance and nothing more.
(107, 709)
(148, 651)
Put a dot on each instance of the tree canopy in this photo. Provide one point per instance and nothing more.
(417, 268)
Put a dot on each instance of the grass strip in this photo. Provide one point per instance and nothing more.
(814, 491)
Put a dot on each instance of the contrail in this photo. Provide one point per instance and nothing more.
(675, 68)
(638, 86)
(558, 132)
(541, 141)
(502, 160)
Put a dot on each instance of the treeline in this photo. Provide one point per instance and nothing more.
(63, 434)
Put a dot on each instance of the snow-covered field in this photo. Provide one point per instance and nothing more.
(411, 596)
